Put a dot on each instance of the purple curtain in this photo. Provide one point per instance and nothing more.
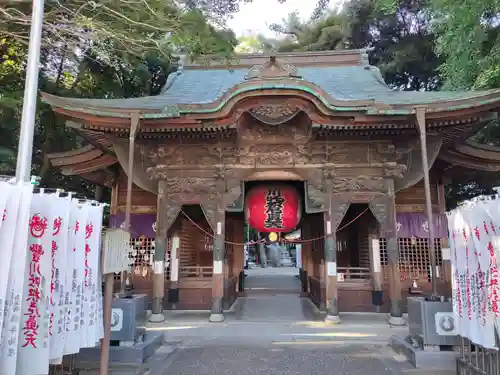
(408, 224)
(141, 224)
(416, 225)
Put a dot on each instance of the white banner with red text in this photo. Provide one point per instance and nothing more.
(49, 291)
(474, 230)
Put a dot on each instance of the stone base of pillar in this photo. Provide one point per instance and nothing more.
(333, 319)
(397, 321)
(216, 318)
(157, 318)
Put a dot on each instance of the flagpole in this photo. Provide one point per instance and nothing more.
(25, 147)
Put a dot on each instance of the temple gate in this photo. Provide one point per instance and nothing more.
(371, 164)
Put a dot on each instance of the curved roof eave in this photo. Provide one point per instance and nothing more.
(370, 107)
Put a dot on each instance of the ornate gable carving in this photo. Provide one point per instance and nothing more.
(274, 114)
(272, 69)
(255, 132)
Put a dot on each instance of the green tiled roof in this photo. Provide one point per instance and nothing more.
(203, 86)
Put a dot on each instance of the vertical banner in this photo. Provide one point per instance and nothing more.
(9, 222)
(50, 292)
(474, 248)
(75, 276)
(60, 228)
(90, 286)
(33, 356)
(99, 302)
(15, 227)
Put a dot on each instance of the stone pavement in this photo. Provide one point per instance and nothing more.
(283, 279)
(279, 333)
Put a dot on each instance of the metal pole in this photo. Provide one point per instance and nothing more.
(420, 112)
(25, 147)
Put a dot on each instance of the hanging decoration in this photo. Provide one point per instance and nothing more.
(474, 250)
(50, 290)
(273, 208)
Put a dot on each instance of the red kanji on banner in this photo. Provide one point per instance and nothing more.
(37, 226)
(56, 227)
(30, 327)
(89, 228)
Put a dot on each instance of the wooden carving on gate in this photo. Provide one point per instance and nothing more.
(314, 199)
(209, 208)
(172, 211)
(189, 155)
(266, 131)
(373, 184)
(383, 209)
(213, 205)
(275, 115)
(234, 199)
(272, 69)
(337, 212)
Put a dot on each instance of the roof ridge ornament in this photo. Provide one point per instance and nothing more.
(272, 69)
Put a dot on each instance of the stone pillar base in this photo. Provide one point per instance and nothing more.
(157, 318)
(333, 319)
(216, 318)
(397, 321)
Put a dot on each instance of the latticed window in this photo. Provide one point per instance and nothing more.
(141, 255)
(414, 257)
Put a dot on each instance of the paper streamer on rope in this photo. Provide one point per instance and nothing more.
(474, 244)
(15, 227)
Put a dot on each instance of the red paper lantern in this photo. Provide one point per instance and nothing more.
(273, 208)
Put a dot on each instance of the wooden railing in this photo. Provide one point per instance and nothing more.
(355, 273)
(196, 271)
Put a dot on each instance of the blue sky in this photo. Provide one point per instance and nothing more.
(255, 17)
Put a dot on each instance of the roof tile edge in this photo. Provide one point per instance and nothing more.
(309, 58)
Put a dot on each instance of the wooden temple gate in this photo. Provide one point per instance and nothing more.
(372, 165)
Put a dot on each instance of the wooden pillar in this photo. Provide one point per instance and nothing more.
(159, 256)
(166, 213)
(384, 210)
(98, 193)
(420, 113)
(173, 292)
(332, 218)
(216, 313)
(376, 270)
(134, 128)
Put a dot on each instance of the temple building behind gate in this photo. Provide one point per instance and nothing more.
(369, 163)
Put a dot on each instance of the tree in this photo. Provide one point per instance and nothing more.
(327, 32)
(94, 64)
(113, 28)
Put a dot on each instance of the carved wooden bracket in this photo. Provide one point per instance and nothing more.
(314, 198)
(234, 199)
(384, 210)
(209, 209)
(167, 211)
(337, 212)
(172, 211)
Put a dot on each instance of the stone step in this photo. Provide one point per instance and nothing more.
(427, 372)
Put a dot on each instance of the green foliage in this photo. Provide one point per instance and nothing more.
(92, 49)
(119, 28)
(469, 42)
